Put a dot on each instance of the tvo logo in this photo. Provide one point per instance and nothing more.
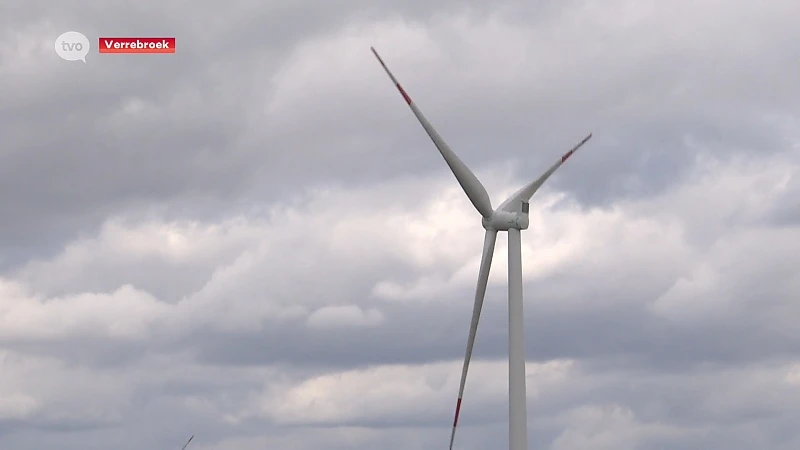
(72, 46)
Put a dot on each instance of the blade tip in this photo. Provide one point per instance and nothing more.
(403, 92)
(375, 52)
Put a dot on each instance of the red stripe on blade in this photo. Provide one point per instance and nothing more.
(567, 155)
(405, 96)
(458, 409)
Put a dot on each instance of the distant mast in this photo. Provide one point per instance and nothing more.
(187, 443)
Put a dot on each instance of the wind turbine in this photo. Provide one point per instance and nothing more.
(510, 216)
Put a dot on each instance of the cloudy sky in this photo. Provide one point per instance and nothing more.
(254, 241)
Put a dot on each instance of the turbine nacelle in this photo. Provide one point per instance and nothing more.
(504, 219)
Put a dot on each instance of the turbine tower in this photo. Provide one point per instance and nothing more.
(510, 216)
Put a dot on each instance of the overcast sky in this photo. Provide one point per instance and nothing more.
(252, 240)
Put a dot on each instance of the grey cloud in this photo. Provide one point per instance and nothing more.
(214, 142)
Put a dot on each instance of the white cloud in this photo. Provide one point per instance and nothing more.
(400, 393)
(126, 313)
(344, 316)
(17, 406)
(607, 427)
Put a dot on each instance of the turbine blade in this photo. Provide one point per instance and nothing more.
(525, 194)
(480, 292)
(187, 443)
(469, 182)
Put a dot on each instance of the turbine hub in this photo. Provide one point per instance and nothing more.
(506, 220)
